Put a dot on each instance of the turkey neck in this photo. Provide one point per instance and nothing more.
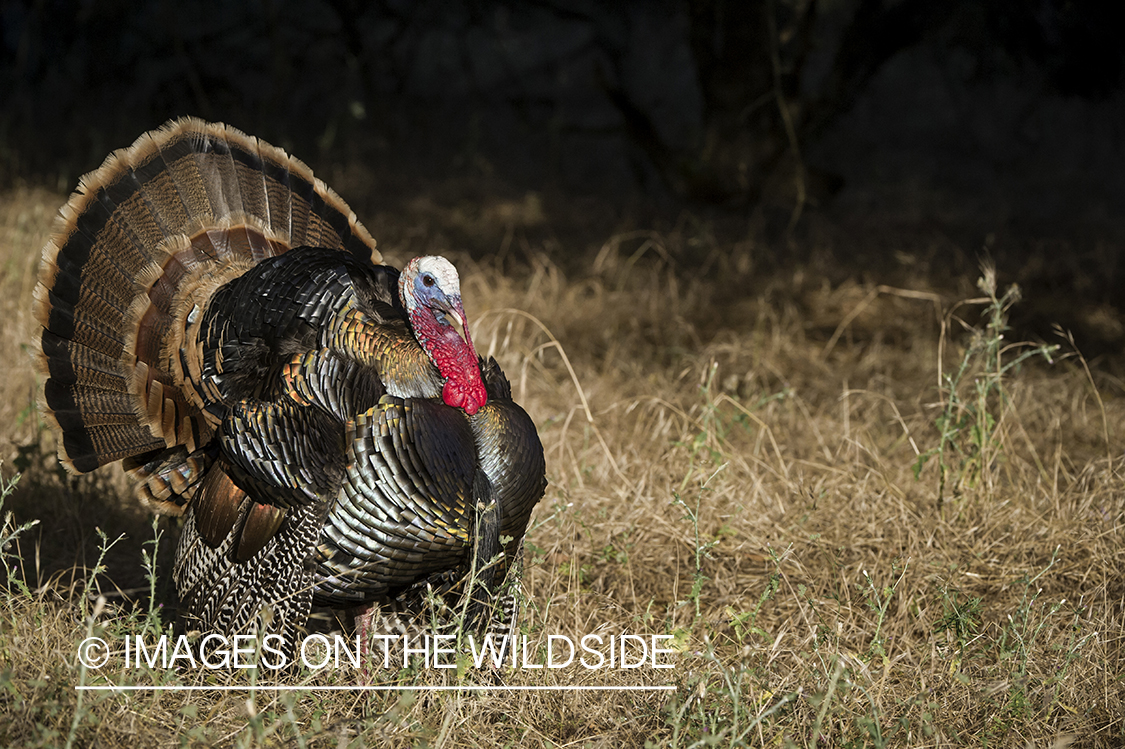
(454, 356)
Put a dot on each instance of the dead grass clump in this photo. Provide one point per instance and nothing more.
(862, 515)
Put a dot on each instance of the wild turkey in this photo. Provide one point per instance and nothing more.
(218, 319)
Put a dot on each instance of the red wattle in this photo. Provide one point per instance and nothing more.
(456, 360)
(453, 396)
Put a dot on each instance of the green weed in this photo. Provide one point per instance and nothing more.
(974, 396)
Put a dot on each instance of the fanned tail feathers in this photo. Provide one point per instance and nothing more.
(134, 258)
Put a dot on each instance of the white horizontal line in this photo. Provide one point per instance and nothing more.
(388, 688)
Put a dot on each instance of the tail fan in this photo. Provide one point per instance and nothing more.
(135, 256)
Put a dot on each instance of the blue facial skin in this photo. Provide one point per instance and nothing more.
(431, 295)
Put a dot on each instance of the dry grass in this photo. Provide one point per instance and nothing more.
(732, 462)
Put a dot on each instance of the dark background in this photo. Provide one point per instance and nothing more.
(929, 132)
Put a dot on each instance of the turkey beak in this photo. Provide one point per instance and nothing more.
(457, 317)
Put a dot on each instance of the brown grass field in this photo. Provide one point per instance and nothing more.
(865, 515)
